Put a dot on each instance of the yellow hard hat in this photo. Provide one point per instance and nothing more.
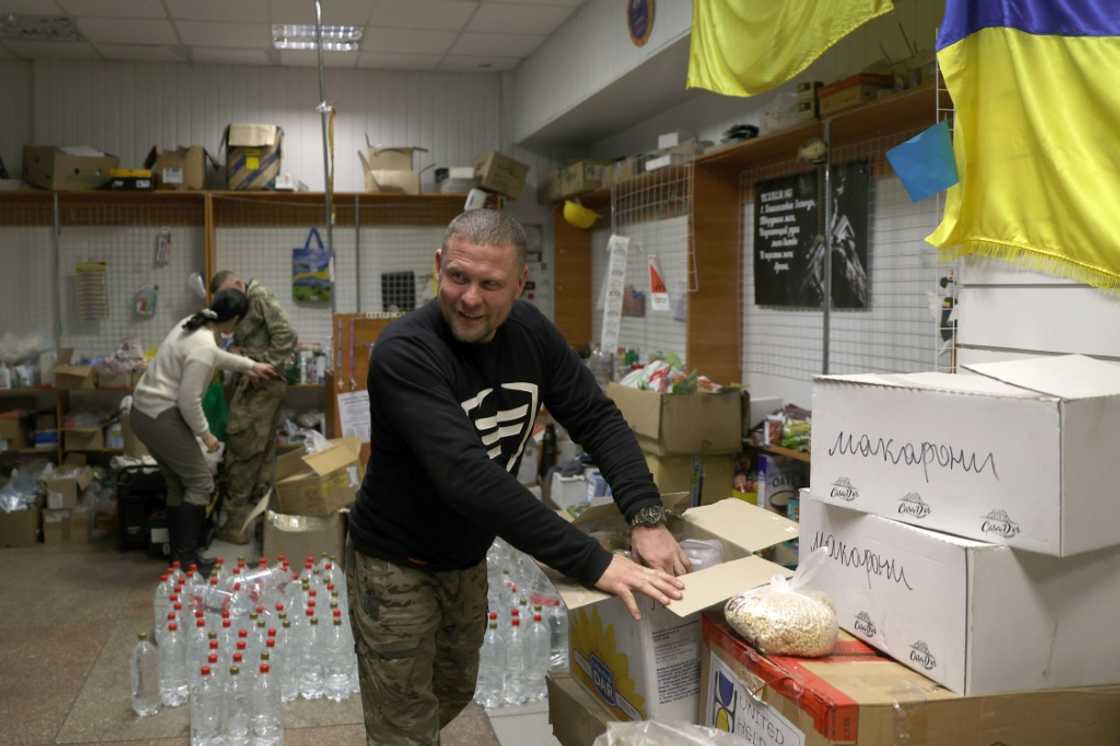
(578, 215)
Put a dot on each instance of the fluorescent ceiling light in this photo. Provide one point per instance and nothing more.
(38, 28)
(303, 36)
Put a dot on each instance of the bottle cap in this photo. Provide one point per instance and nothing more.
(515, 612)
(272, 632)
(313, 593)
(328, 566)
(200, 623)
(240, 644)
(142, 636)
(265, 657)
(205, 670)
(173, 627)
(171, 616)
(225, 623)
(310, 612)
(213, 580)
(279, 607)
(237, 657)
(213, 644)
(338, 613)
(237, 586)
(163, 576)
(212, 658)
(270, 643)
(234, 670)
(265, 668)
(175, 565)
(178, 607)
(330, 587)
(516, 622)
(493, 615)
(242, 633)
(173, 597)
(260, 609)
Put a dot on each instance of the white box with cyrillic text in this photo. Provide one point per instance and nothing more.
(1023, 454)
(977, 618)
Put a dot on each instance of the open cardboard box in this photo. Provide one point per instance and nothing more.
(651, 669)
(1021, 454)
(318, 483)
(681, 424)
(68, 376)
(67, 483)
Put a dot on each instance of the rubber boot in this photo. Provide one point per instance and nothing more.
(188, 522)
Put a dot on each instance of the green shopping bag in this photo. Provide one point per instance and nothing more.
(215, 408)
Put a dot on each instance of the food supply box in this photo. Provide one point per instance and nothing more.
(1019, 454)
(681, 424)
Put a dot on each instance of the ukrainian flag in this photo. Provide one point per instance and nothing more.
(1036, 88)
(746, 47)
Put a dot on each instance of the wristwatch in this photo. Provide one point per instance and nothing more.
(651, 516)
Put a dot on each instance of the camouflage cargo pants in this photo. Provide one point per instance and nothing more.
(418, 636)
(250, 439)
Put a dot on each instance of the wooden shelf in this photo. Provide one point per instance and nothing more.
(772, 148)
(35, 391)
(787, 452)
(893, 113)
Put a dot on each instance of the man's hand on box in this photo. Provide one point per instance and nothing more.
(656, 547)
(624, 578)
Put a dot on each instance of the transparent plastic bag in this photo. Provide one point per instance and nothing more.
(786, 617)
(703, 553)
(654, 733)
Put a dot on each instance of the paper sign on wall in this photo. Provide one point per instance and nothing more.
(658, 291)
(353, 415)
(617, 247)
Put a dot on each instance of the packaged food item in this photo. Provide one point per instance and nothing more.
(786, 617)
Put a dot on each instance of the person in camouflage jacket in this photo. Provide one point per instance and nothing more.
(265, 335)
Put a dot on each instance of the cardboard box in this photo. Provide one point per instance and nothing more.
(20, 528)
(67, 527)
(318, 483)
(500, 173)
(254, 155)
(1020, 454)
(66, 169)
(181, 168)
(392, 182)
(303, 535)
(13, 430)
(681, 424)
(874, 701)
(853, 91)
(977, 618)
(622, 170)
(68, 376)
(651, 669)
(675, 474)
(580, 177)
(397, 158)
(114, 380)
(84, 439)
(67, 483)
(673, 139)
(576, 717)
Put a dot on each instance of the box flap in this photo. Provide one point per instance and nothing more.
(643, 409)
(947, 382)
(715, 585)
(342, 453)
(745, 525)
(253, 135)
(1065, 376)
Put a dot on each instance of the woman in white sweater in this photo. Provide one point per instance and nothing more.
(167, 413)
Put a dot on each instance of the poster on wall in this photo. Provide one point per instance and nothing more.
(788, 254)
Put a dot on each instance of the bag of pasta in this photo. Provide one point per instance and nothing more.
(786, 617)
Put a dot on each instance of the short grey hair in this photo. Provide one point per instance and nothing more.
(487, 227)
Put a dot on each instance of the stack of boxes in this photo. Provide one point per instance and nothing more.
(64, 521)
(807, 100)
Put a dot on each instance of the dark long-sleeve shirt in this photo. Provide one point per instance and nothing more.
(449, 424)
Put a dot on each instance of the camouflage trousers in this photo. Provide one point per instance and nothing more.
(417, 636)
(254, 411)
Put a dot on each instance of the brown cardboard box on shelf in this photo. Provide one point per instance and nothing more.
(67, 527)
(681, 424)
(622, 170)
(114, 380)
(66, 169)
(20, 528)
(580, 177)
(499, 173)
(391, 182)
(68, 376)
(67, 483)
(318, 483)
(650, 669)
(13, 430)
(853, 91)
(181, 168)
(390, 169)
(576, 717)
(300, 535)
(254, 155)
(84, 439)
(874, 701)
(674, 474)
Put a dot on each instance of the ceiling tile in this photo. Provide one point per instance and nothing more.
(412, 41)
(113, 8)
(387, 61)
(434, 14)
(349, 12)
(127, 31)
(306, 58)
(474, 44)
(231, 56)
(53, 50)
(478, 64)
(32, 7)
(518, 19)
(219, 10)
(204, 34)
(140, 52)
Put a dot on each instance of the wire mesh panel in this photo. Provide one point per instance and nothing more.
(396, 266)
(652, 210)
(126, 234)
(27, 296)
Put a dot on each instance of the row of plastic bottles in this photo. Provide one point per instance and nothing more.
(527, 631)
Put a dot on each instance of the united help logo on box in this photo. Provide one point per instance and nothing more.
(1021, 454)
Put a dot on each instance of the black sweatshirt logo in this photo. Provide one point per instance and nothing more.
(504, 431)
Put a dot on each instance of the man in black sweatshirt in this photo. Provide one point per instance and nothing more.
(454, 389)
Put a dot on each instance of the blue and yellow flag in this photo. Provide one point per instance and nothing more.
(746, 47)
(1036, 87)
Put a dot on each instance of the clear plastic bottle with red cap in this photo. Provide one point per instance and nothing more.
(538, 643)
(267, 728)
(492, 665)
(173, 690)
(145, 677)
(517, 664)
(336, 660)
(206, 709)
(237, 705)
(288, 660)
(161, 599)
(311, 660)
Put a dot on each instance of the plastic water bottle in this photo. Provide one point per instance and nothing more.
(266, 725)
(206, 710)
(311, 662)
(145, 677)
(172, 668)
(517, 665)
(558, 626)
(198, 644)
(236, 708)
(336, 662)
(491, 666)
(289, 662)
(160, 600)
(540, 647)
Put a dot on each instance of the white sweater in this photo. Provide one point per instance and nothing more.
(180, 374)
